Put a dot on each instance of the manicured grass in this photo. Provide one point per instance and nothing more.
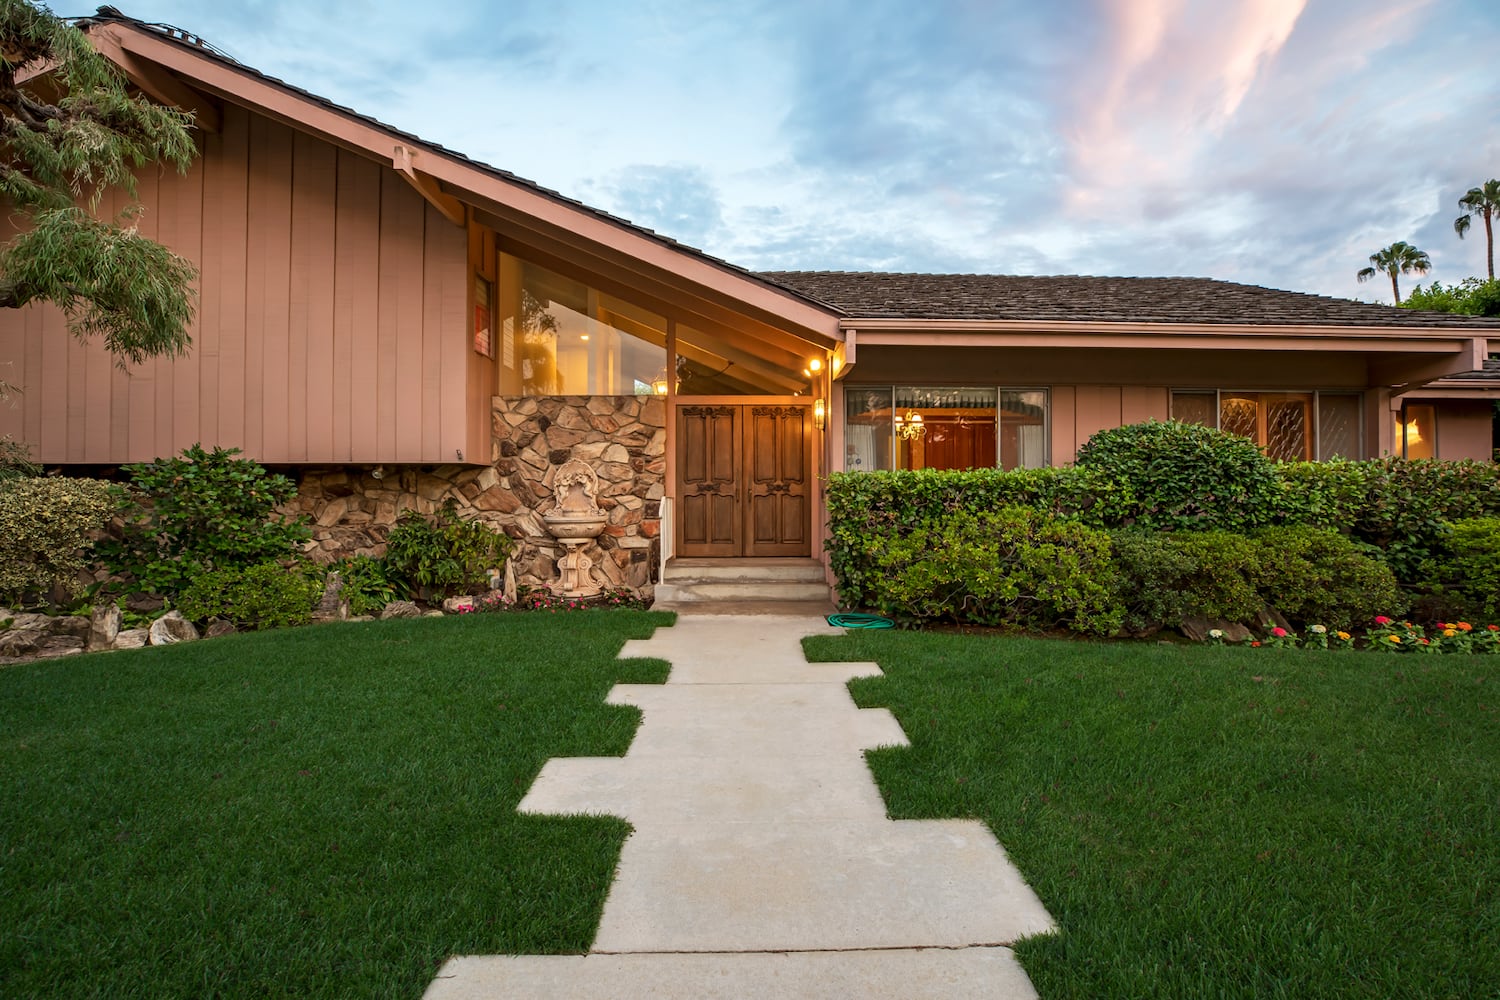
(1215, 822)
(326, 811)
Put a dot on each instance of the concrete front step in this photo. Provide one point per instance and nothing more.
(788, 570)
(690, 581)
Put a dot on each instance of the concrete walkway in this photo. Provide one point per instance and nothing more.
(762, 862)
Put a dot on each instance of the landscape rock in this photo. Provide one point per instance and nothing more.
(219, 627)
(1197, 629)
(400, 609)
(104, 627)
(458, 605)
(172, 628)
(332, 607)
(132, 638)
(143, 603)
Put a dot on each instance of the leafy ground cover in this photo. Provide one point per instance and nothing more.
(1214, 821)
(326, 811)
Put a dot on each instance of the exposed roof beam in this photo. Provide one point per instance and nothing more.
(156, 82)
(451, 207)
(1406, 374)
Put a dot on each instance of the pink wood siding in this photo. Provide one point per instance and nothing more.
(1464, 429)
(332, 323)
(1080, 411)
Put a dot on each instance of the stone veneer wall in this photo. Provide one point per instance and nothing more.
(622, 437)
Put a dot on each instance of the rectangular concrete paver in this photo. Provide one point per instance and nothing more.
(970, 974)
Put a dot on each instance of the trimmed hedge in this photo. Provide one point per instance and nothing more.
(1337, 539)
(1013, 566)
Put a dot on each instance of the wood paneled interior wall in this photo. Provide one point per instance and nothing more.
(333, 323)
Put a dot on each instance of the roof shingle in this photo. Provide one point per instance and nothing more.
(881, 295)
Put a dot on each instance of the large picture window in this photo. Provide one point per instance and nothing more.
(1290, 426)
(562, 337)
(921, 427)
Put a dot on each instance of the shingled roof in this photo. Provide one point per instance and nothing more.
(878, 295)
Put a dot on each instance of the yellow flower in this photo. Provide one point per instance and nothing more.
(1450, 631)
(1343, 636)
(1394, 638)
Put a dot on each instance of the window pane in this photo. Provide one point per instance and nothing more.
(571, 339)
(1280, 422)
(1023, 428)
(1338, 425)
(713, 365)
(1196, 408)
(1419, 434)
(867, 429)
(945, 428)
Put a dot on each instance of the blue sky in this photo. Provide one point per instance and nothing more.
(1274, 142)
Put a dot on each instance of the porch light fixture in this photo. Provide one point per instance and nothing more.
(659, 384)
(820, 413)
(912, 427)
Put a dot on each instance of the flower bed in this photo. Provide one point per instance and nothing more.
(1385, 635)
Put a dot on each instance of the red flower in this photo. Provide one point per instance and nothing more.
(1382, 620)
(1255, 643)
(1279, 632)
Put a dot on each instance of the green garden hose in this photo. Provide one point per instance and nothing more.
(860, 621)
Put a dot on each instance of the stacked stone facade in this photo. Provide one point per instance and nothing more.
(623, 438)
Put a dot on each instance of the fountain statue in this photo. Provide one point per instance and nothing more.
(575, 520)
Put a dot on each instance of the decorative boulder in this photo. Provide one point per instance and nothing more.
(132, 638)
(333, 607)
(219, 627)
(400, 609)
(172, 627)
(458, 605)
(104, 627)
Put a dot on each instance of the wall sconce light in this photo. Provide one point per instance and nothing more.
(820, 413)
(659, 384)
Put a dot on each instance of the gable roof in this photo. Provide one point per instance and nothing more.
(547, 212)
(878, 295)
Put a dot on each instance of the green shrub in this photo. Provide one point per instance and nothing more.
(1409, 503)
(267, 595)
(203, 511)
(1468, 566)
(368, 586)
(1163, 578)
(864, 506)
(1317, 577)
(15, 460)
(1012, 566)
(442, 554)
(1187, 476)
(46, 525)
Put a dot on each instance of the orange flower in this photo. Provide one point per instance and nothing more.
(1343, 636)
(1464, 627)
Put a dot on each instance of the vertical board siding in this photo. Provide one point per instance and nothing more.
(405, 231)
(1081, 411)
(232, 193)
(314, 213)
(331, 322)
(356, 273)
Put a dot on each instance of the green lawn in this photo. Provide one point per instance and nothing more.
(325, 811)
(1215, 822)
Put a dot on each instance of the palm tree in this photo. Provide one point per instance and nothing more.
(1398, 258)
(1485, 203)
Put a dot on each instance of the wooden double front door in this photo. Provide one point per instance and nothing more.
(744, 480)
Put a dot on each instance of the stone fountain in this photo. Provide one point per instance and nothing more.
(575, 520)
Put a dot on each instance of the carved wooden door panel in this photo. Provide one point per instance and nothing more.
(778, 514)
(744, 480)
(708, 475)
